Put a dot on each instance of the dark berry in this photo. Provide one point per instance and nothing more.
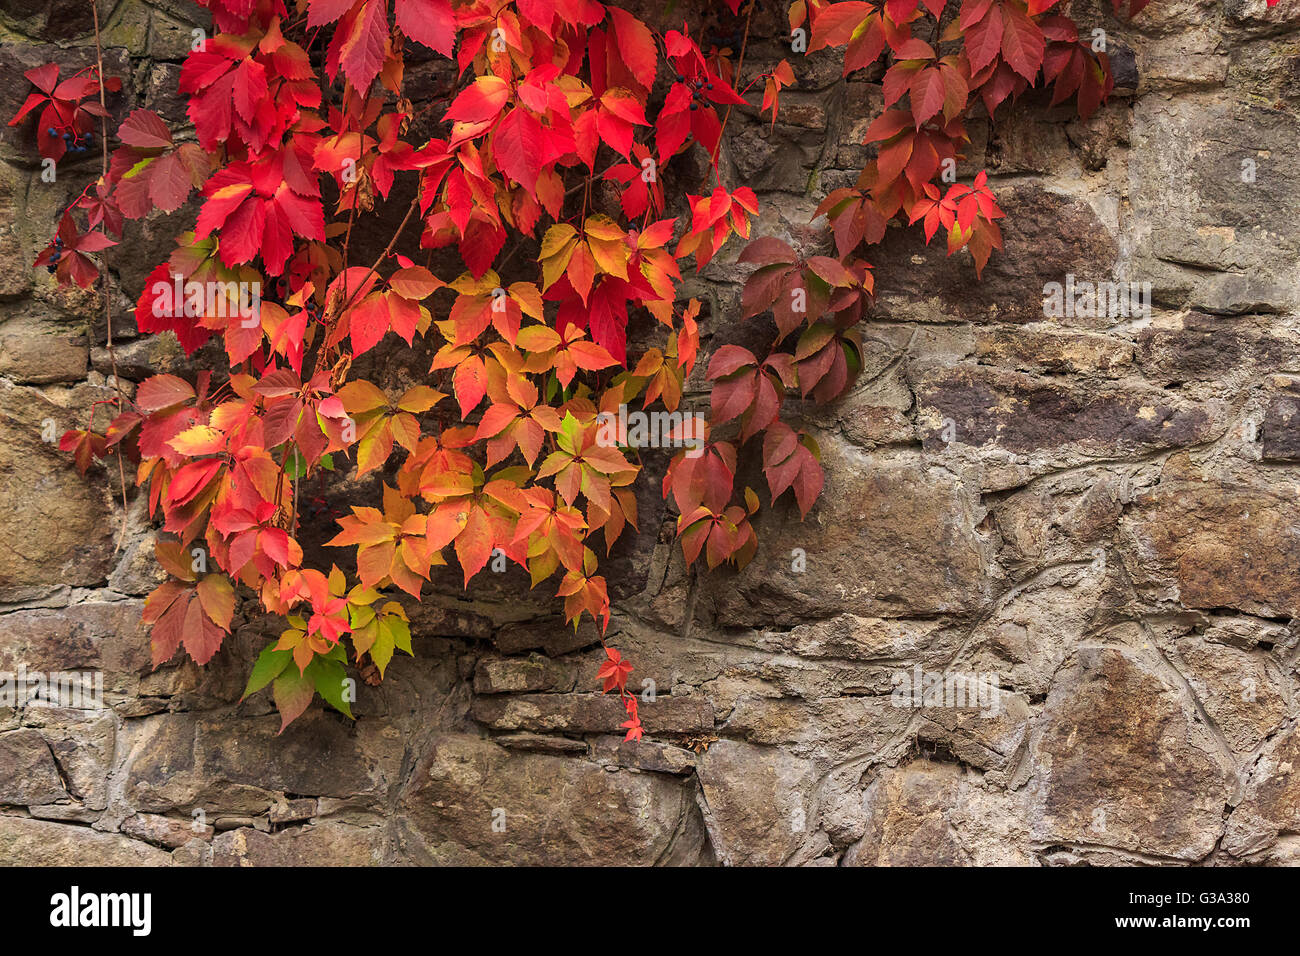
(51, 131)
(50, 269)
(694, 107)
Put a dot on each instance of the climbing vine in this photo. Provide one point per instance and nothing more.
(518, 445)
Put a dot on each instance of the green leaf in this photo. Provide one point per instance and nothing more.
(360, 616)
(393, 633)
(401, 634)
(569, 435)
(381, 651)
(329, 676)
(270, 664)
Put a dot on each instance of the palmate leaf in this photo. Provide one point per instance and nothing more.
(270, 665)
(183, 614)
(293, 690)
(392, 633)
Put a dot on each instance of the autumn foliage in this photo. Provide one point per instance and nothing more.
(301, 121)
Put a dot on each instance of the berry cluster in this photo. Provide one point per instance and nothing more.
(54, 256)
(728, 41)
(76, 143)
(698, 88)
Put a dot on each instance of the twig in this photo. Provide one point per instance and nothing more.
(105, 289)
(383, 255)
(740, 65)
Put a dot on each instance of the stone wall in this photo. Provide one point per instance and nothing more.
(1101, 512)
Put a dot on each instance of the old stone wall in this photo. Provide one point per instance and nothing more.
(1102, 512)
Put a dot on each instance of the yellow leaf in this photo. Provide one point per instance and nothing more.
(417, 282)
(608, 244)
(557, 248)
(420, 398)
(529, 299)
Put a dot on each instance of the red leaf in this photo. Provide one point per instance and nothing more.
(518, 147)
(321, 12)
(636, 46)
(887, 125)
(250, 89)
(835, 23)
(430, 22)
(766, 250)
(728, 359)
(162, 391)
(241, 234)
(1022, 42)
(362, 52)
(404, 317)
(480, 245)
(474, 544)
(202, 637)
(470, 384)
(481, 101)
(984, 39)
(169, 182)
(166, 607)
(144, 129)
(368, 321)
(927, 93)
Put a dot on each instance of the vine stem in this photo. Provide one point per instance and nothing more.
(461, 84)
(103, 175)
(352, 218)
(415, 203)
(740, 65)
(104, 284)
(383, 255)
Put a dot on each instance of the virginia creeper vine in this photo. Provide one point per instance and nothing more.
(301, 120)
